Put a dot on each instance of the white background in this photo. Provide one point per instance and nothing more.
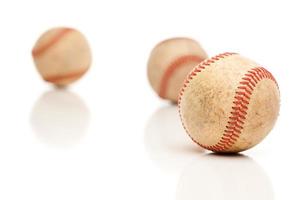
(109, 136)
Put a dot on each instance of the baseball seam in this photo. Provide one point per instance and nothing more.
(39, 51)
(177, 63)
(57, 78)
(190, 77)
(238, 114)
(240, 104)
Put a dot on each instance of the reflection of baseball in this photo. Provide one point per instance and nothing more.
(215, 177)
(62, 56)
(170, 62)
(166, 143)
(229, 103)
(60, 118)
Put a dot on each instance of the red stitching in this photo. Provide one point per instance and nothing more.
(238, 114)
(245, 88)
(40, 50)
(171, 69)
(245, 83)
(199, 68)
(58, 78)
(194, 72)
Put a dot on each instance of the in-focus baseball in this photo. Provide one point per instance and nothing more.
(170, 62)
(229, 103)
(62, 56)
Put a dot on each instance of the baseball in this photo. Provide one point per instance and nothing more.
(170, 62)
(228, 103)
(62, 56)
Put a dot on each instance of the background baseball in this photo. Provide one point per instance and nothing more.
(229, 103)
(62, 56)
(170, 62)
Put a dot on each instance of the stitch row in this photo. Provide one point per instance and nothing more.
(195, 71)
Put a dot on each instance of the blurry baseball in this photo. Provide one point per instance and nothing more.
(229, 103)
(169, 64)
(62, 56)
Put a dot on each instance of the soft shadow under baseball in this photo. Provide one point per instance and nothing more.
(216, 177)
(60, 118)
(166, 141)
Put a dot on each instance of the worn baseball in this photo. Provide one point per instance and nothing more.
(228, 103)
(170, 62)
(62, 56)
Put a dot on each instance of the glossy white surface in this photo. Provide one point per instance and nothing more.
(108, 136)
